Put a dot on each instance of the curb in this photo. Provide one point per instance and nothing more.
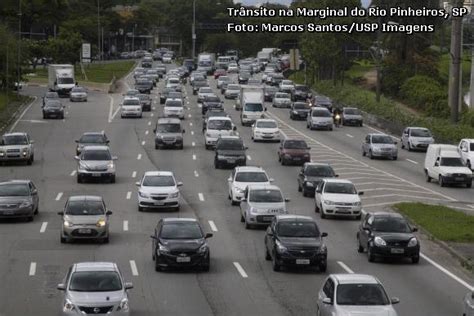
(18, 112)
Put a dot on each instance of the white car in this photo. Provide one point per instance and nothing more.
(174, 108)
(158, 189)
(337, 197)
(232, 91)
(203, 93)
(265, 129)
(78, 94)
(233, 68)
(221, 80)
(416, 138)
(354, 294)
(319, 117)
(241, 177)
(466, 150)
(469, 304)
(131, 106)
(216, 127)
(287, 86)
(167, 58)
(281, 100)
(173, 83)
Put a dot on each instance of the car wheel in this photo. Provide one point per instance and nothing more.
(323, 215)
(305, 193)
(140, 209)
(469, 185)
(106, 240)
(30, 218)
(267, 255)
(181, 147)
(157, 267)
(206, 267)
(247, 224)
(402, 144)
(207, 147)
(323, 266)
(216, 164)
(36, 211)
(415, 259)
(371, 156)
(157, 147)
(63, 239)
(370, 255)
(299, 187)
(427, 176)
(441, 181)
(79, 179)
(358, 217)
(360, 249)
(316, 208)
(112, 179)
(409, 147)
(394, 157)
(361, 124)
(242, 219)
(275, 265)
(283, 161)
(29, 162)
(363, 153)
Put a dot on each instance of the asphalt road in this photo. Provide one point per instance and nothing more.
(240, 281)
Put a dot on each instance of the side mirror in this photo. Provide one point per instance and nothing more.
(32, 141)
(229, 179)
(34, 192)
(246, 147)
(107, 142)
(395, 300)
(395, 143)
(114, 157)
(154, 130)
(436, 164)
(128, 285)
(265, 109)
(414, 229)
(324, 234)
(137, 183)
(108, 213)
(287, 200)
(183, 131)
(61, 213)
(77, 141)
(327, 300)
(179, 184)
(271, 180)
(76, 157)
(61, 287)
(361, 193)
(153, 237)
(208, 235)
(234, 128)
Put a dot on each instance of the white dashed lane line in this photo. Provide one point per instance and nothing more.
(349, 135)
(139, 156)
(134, 174)
(143, 143)
(193, 144)
(149, 123)
(190, 123)
(73, 173)
(448, 273)
(129, 195)
(192, 132)
(248, 157)
(213, 226)
(196, 174)
(32, 271)
(345, 267)
(58, 197)
(194, 157)
(43, 227)
(241, 270)
(125, 226)
(201, 197)
(412, 161)
(146, 132)
(133, 267)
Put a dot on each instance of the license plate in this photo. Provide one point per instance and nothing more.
(7, 212)
(397, 250)
(85, 231)
(459, 179)
(96, 174)
(231, 161)
(296, 158)
(302, 261)
(267, 218)
(183, 259)
(159, 203)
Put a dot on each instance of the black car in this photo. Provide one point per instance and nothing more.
(230, 151)
(244, 77)
(91, 139)
(387, 235)
(147, 62)
(53, 108)
(144, 85)
(311, 175)
(270, 93)
(145, 101)
(322, 101)
(293, 240)
(301, 92)
(164, 94)
(211, 102)
(189, 64)
(50, 95)
(180, 242)
(199, 83)
(299, 111)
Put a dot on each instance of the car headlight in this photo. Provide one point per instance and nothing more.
(413, 242)
(379, 241)
(82, 166)
(101, 223)
(322, 249)
(295, 112)
(239, 190)
(174, 195)
(123, 305)
(328, 202)
(162, 248)
(143, 194)
(244, 115)
(110, 165)
(25, 204)
(310, 184)
(203, 248)
(68, 306)
(357, 203)
(2, 154)
(67, 224)
(280, 248)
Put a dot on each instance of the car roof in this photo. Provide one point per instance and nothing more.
(386, 214)
(351, 278)
(220, 118)
(249, 169)
(179, 219)
(15, 134)
(333, 180)
(259, 186)
(85, 197)
(169, 120)
(158, 173)
(95, 266)
(15, 181)
(96, 147)
(470, 140)
(288, 217)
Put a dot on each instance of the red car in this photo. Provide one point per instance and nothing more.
(219, 72)
(293, 151)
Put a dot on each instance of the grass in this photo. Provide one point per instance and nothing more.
(359, 69)
(8, 108)
(442, 222)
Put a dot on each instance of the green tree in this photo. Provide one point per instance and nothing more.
(66, 47)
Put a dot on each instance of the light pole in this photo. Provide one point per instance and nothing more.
(19, 49)
(98, 27)
(194, 29)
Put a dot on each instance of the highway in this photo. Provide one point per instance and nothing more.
(240, 281)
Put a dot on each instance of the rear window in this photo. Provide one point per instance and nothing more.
(319, 113)
(295, 144)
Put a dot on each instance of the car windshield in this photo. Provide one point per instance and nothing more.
(131, 102)
(173, 81)
(174, 104)
(213, 99)
(297, 229)
(96, 155)
(15, 140)
(168, 128)
(233, 87)
(51, 95)
(14, 189)
(319, 171)
(361, 294)
(340, 188)
(253, 107)
(418, 132)
(267, 124)
(321, 114)
(301, 106)
(471, 147)
(219, 125)
(451, 162)
(381, 139)
(230, 144)
(92, 139)
(158, 181)
(302, 88)
(181, 230)
(65, 80)
(53, 104)
(84, 208)
(78, 89)
(266, 196)
(251, 177)
(144, 97)
(295, 144)
(390, 225)
(352, 112)
(95, 281)
(282, 96)
(205, 90)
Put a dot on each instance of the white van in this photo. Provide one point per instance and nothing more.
(466, 150)
(443, 163)
(251, 102)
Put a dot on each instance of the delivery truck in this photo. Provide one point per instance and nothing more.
(61, 78)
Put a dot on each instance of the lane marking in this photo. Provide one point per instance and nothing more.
(471, 206)
(134, 174)
(345, 267)
(146, 132)
(58, 197)
(22, 114)
(129, 195)
(248, 157)
(154, 108)
(196, 174)
(133, 266)
(201, 197)
(143, 143)
(448, 273)
(32, 268)
(349, 135)
(43, 227)
(400, 195)
(73, 173)
(395, 189)
(193, 144)
(194, 157)
(152, 114)
(240, 269)
(125, 226)
(412, 161)
(192, 132)
(189, 115)
(213, 226)
(139, 156)
(190, 123)
(149, 123)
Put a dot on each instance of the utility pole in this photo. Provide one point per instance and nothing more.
(19, 50)
(378, 59)
(194, 29)
(471, 87)
(455, 67)
(98, 28)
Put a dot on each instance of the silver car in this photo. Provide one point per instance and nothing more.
(95, 162)
(16, 147)
(95, 288)
(158, 190)
(416, 138)
(379, 145)
(352, 116)
(260, 204)
(18, 199)
(85, 217)
(281, 100)
(78, 94)
(354, 294)
(319, 118)
(469, 304)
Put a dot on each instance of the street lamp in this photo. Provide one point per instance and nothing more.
(194, 29)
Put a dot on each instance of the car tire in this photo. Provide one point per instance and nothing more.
(233, 202)
(140, 209)
(157, 147)
(370, 255)
(360, 248)
(106, 240)
(79, 179)
(305, 193)
(409, 147)
(371, 156)
(267, 254)
(316, 208)
(441, 181)
(323, 266)
(283, 162)
(401, 144)
(361, 124)
(36, 211)
(275, 265)
(358, 217)
(469, 185)
(394, 157)
(415, 259)
(216, 164)
(62, 239)
(363, 153)
(29, 162)
(299, 187)
(30, 218)
(112, 179)
(157, 267)
(247, 224)
(427, 177)
(321, 212)
(242, 219)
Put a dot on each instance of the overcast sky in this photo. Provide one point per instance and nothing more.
(252, 2)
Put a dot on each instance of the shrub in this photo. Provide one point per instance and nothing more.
(423, 93)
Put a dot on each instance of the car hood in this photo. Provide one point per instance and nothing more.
(425, 140)
(95, 164)
(352, 310)
(348, 198)
(14, 199)
(447, 169)
(6, 147)
(227, 152)
(158, 190)
(96, 298)
(83, 219)
(389, 236)
(295, 242)
(182, 245)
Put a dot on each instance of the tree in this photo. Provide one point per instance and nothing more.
(66, 47)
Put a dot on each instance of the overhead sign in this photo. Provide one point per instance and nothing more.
(86, 53)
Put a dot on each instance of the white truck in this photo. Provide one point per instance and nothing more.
(444, 164)
(251, 103)
(206, 61)
(61, 78)
(223, 62)
(264, 57)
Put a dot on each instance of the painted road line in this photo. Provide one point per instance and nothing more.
(133, 266)
(213, 226)
(43, 227)
(194, 157)
(349, 135)
(412, 161)
(192, 132)
(149, 123)
(139, 156)
(125, 226)
(193, 144)
(189, 115)
(190, 123)
(345, 267)
(32, 268)
(471, 206)
(152, 114)
(22, 114)
(143, 143)
(129, 195)
(241, 270)
(400, 195)
(111, 109)
(146, 132)
(201, 197)
(154, 108)
(248, 157)
(196, 174)
(58, 197)
(73, 173)
(134, 174)
(448, 273)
